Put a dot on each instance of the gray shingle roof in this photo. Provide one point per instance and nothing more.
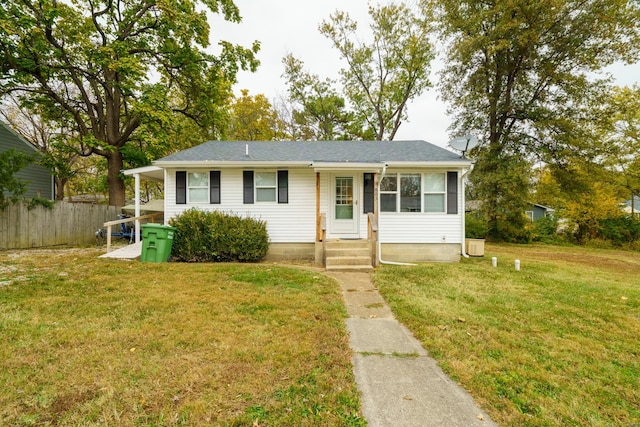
(315, 151)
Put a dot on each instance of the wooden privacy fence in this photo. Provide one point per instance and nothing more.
(64, 224)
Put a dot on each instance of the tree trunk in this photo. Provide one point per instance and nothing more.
(116, 184)
(59, 185)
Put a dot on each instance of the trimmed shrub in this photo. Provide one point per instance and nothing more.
(212, 236)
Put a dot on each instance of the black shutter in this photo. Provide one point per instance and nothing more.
(181, 187)
(247, 184)
(452, 193)
(283, 186)
(214, 187)
(368, 193)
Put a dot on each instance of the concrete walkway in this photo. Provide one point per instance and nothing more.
(401, 385)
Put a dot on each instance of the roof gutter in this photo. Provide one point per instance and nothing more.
(315, 164)
(228, 164)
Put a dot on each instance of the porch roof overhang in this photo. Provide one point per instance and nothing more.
(152, 173)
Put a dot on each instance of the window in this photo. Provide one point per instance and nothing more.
(389, 193)
(266, 187)
(198, 187)
(410, 192)
(415, 192)
(344, 198)
(434, 192)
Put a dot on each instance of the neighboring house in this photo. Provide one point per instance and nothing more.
(38, 180)
(536, 212)
(405, 198)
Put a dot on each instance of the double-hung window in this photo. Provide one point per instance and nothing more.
(266, 186)
(434, 190)
(410, 192)
(198, 187)
(389, 193)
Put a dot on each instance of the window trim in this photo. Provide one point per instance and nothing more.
(256, 187)
(394, 192)
(205, 187)
(447, 193)
(406, 176)
(443, 193)
(250, 188)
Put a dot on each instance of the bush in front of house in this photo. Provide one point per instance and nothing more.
(212, 236)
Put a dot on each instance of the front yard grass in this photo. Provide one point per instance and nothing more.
(88, 341)
(555, 344)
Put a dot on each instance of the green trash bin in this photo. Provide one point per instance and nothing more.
(157, 240)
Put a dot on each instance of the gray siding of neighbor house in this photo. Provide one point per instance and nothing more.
(538, 213)
(38, 180)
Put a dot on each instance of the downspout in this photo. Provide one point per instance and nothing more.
(380, 260)
(463, 216)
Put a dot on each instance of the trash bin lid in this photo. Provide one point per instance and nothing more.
(152, 225)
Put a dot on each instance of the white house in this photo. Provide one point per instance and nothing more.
(403, 199)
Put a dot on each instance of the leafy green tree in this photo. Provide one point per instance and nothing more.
(322, 113)
(520, 74)
(380, 78)
(621, 138)
(11, 188)
(113, 67)
(254, 119)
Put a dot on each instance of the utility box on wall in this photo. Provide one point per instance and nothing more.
(474, 247)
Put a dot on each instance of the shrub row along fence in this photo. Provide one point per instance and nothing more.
(64, 224)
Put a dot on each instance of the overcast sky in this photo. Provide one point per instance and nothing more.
(291, 26)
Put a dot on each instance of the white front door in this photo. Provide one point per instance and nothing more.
(344, 205)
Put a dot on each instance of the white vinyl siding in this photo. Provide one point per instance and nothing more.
(290, 222)
(296, 221)
(426, 227)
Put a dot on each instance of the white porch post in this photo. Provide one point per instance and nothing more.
(136, 178)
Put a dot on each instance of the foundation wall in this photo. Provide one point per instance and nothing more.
(290, 251)
(421, 252)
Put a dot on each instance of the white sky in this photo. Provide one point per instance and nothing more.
(291, 26)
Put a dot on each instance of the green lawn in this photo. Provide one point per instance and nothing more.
(88, 341)
(555, 344)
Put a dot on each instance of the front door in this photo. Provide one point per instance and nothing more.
(344, 215)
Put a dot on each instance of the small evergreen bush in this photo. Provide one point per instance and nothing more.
(212, 236)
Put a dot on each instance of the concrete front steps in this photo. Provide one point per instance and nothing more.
(348, 255)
